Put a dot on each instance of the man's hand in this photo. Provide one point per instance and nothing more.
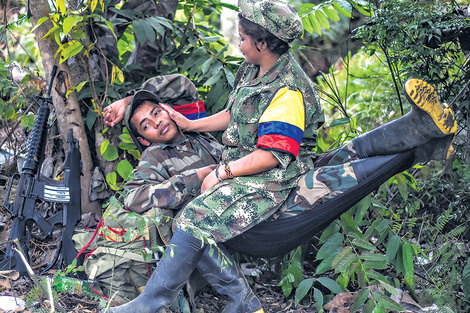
(114, 113)
(204, 171)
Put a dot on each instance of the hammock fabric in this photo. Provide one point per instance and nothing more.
(277, 237)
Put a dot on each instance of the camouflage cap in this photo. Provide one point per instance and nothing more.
(276, 16)
(173, 89)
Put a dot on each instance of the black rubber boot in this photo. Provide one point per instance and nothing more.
(168, 278)
(227, 280)
(363, 168)
(426, 120)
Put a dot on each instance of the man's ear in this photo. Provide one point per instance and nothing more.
(143, 141)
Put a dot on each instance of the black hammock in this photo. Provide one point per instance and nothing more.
(277, 237)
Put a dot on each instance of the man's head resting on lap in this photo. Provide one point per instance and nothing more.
(149, 122)
(172, 89)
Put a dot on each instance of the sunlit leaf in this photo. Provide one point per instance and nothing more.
(124, 169)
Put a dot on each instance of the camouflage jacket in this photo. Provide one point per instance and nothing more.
(166, 178)
(278, 111)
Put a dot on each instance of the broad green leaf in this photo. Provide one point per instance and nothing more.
(80, 86)
(318, 300)
(383, 225)
(466, 280)
(211, 81)
(111, 179)
(139, 31)
(330, 284)
(70, 49)
(126, 138)
(388, 287)
(93, 5)
(326, 263)
(127, 146)
(315, 23)
(340, 121)
(307, 24)
(51, 31)
(40, 22)
(362, 208)
(90, 119)
(124, 169)
(361, 298)
(207, 64)
(27, 121)
(343, 259)
(378, 265)
(70, 22)
(349, 225)
(363, 244)
(407, 251)
(286, 288)
(392, 247)
(117, 75)
(304, 287)
(108, 151)
(211, 39)
(331, 13)
(333, 228)
(61, 6)
(375, 257)
(363, 6)
(322, 19)
(343, 7)
(369, 307)
(402, 187)
(387, 302)
(330, 246)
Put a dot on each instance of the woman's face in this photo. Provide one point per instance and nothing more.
(248, 47)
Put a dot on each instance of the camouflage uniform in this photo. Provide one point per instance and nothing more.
(166, 180)
(279, 112)
(233, 206)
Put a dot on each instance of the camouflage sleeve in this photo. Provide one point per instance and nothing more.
(152, 186)
(283, 158)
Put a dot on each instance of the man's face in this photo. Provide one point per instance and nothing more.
(155, 125)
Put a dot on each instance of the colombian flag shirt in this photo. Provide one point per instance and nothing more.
(278, 111)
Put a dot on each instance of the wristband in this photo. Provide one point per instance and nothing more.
(217, 175)
(228, 171)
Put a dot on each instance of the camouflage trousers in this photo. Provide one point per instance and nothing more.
(229, 209)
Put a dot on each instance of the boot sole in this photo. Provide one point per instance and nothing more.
(443, 117)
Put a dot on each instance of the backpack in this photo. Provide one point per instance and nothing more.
(119, 259)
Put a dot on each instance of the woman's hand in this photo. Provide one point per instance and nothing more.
(204, 171)
(210, 181)
(114, 113)
(177, 117)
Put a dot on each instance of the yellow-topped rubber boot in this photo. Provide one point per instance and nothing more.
(428, 126)
(424, 96)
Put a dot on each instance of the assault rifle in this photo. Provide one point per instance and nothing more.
(34, 188)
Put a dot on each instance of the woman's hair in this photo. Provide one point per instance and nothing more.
(258, 33)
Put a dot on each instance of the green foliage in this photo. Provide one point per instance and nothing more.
(428, 42)
(315, 17)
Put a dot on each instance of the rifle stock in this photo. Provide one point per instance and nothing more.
(34, 187)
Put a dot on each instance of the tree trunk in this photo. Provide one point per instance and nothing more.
(67, 109)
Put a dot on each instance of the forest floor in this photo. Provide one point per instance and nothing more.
(264, 284)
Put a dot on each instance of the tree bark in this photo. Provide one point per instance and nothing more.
(67, 109)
